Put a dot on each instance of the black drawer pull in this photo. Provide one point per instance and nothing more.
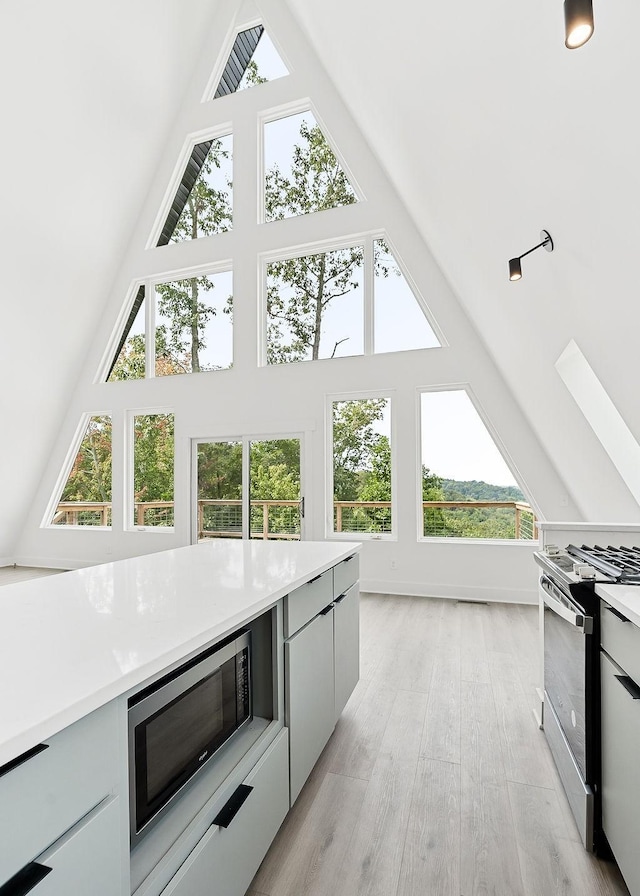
(629, 685)
(617, 613)
(231, 808)
(315, 579)
(339, 600)
(23, 757)
(25, 880)
(326, 610)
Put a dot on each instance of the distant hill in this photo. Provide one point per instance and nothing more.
(479, 491)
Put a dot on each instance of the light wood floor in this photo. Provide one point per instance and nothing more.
(437, 780)
(11, 574)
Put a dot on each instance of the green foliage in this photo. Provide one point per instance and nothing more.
(90, 476)
(354, 443)
(153, 436)
(299, 290)
(474, 490)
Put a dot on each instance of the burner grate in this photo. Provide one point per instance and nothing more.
(621, 563)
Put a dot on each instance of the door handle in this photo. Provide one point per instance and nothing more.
(23, 757)
(230, 809)
(629, 685)
(617, 613)
(25, 880)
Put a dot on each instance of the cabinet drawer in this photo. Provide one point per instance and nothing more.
(306, 602)
(620, 771)
(621, 640)
(87, 859)
(46, 794)
(226, 859)
(345, 575)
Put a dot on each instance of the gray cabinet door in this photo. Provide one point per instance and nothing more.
(346, 622)
(621, 771)
(309, 696)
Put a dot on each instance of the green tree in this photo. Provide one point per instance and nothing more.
(90, 476)
(299, 290)
(354, 438)
(207, 211)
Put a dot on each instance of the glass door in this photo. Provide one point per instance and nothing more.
(275, 494)
(248, 488)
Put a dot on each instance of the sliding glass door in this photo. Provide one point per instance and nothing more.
(249, 487)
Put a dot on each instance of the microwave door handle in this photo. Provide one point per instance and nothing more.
(584, 623)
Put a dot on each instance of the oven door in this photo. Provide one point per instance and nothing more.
(568, 703)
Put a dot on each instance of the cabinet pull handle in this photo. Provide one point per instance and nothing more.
(346, 559)
(315, 579)
(629, 685)
(230, 809)
(326, 610)
(23, 757)
(25, 880)
(339, 600)
(617, 613)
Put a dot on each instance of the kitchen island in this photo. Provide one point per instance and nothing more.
(75, 647)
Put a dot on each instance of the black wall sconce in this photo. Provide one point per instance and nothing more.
(578, 22)
(515, 268)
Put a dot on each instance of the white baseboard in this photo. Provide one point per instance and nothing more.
(52, 562)
(6, 561)
(484, 593)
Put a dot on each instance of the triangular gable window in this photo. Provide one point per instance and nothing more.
(86, 497)
(129, 357)
(253, 60)
(203, 204)
(302, 173)
(400, 322)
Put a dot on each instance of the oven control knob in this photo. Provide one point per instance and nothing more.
(584, 571)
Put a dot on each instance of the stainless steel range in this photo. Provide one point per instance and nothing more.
(574, 559)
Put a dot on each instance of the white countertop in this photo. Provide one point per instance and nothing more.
(72, 642)
(625, 598)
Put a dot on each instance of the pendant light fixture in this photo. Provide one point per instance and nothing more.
(578, 22)
(515, 268)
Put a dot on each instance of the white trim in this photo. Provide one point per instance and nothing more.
(478, 593)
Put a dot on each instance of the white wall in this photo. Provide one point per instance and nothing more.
(248, 399)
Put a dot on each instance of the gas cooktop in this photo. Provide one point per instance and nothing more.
(620, 565)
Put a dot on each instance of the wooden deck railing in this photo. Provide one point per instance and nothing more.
(222, 518)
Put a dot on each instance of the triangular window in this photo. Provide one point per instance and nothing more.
(468, 491)
(203, 204)
(253, 60)
(400, 322)
(86, 497)
(301, 171)
(129, 357)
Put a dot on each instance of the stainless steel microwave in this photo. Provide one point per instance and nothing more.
(177, 724)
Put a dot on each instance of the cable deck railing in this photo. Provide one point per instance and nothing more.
(272, 519)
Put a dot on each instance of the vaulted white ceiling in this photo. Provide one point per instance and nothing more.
(488, 127)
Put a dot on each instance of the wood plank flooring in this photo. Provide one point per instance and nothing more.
(11, 574)
(437, 780)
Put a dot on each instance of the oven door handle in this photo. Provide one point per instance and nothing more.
(578, 620)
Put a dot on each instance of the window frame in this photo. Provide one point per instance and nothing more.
(330, 533)
(129, 497)
(500, 447)
(65, 472)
